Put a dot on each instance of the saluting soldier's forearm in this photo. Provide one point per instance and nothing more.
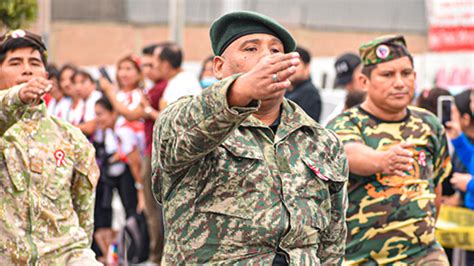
(11, 108)
(189, 129)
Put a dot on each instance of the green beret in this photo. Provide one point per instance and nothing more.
(232, 26)
(383, 49)
(27, 36)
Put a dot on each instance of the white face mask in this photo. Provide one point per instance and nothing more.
(207, 81)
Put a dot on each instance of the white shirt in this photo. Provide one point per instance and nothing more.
(131, 98)
(90, 105)
(75, 115)
(123, 139)
(59, 108)
(184, 83)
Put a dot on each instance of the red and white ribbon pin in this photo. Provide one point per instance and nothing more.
(59, 156)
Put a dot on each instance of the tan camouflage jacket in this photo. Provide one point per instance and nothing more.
(233, 192)
(47, 179)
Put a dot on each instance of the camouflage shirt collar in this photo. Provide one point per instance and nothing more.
(379, 120)
(292, 118)
(35, 112)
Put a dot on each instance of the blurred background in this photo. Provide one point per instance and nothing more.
(440, 33)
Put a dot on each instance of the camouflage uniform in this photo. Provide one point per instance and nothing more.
(392, 218)
(46, 203)
(233, 192)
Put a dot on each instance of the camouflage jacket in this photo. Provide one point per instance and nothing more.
(47, 179)
(392, 218)
(235, 193)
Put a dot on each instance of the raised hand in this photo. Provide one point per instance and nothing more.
(266, 80)
(34, 90)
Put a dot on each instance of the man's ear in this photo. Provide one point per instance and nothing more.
(217, 64)
(364, 81)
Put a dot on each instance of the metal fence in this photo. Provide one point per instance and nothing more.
(383, 15)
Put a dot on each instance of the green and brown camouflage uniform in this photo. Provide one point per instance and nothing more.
(46, 204)
(391, 219)
(234, 192)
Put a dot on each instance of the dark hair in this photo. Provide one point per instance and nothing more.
(105, 102)
(172, 54)
(67, 67)
(83, 73)
(428, 99)
(367, 70)
(53, 71)
(354, 98)
(18, 43)
(463, 103)
(148, 50)
(304, 55)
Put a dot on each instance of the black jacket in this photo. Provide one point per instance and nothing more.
(306, 95)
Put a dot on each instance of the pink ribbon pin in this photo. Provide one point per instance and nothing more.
(422, 158)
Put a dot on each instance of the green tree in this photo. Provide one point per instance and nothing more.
(15, 14)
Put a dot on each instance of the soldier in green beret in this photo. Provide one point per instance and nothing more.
(246, 177)
(398, 159)
(47, 166)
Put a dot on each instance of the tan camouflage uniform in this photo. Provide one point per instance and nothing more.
(233, 192)
(46, 204)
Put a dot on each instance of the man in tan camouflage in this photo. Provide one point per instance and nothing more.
(47, 167)
(244, 175)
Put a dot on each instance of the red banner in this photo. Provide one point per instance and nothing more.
(451, 38)
(451, 25)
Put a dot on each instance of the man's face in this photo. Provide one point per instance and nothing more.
(20, 66)
(155, 73)
(391, 85)
(244, 53)
(147, 64)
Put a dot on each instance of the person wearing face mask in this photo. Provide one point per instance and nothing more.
(244, 175)
(206, 77)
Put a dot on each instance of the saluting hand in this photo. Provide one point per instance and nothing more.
(35, 88)
(397, 159)
(266, 80)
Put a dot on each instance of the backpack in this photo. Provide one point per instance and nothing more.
(133, 240)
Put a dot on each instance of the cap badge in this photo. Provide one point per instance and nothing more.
(382, 51)
(18, 34)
